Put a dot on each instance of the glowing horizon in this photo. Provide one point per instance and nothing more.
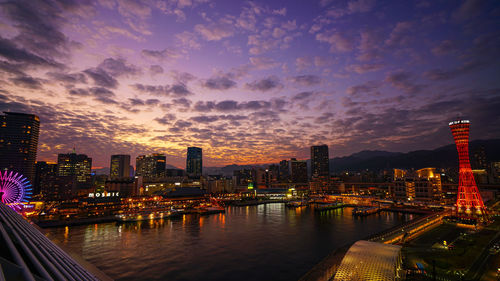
(249, 82)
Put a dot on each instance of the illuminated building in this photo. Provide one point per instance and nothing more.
(78, 166)
(150, 166)
(284, 171)
(194, 162)
(43, 171)
(421, 185)
(18, 143)
(298, 171)
(119, 167)
(320, 166)
(468, 197)
(265, 177)
(367, 260)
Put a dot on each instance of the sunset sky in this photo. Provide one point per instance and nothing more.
(249, 81)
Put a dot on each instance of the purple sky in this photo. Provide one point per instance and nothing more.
(249, 82)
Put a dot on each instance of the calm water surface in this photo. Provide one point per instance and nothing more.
(265, 242)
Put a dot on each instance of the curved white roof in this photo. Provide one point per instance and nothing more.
(367, 260)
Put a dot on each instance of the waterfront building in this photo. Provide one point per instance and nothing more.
(119, 167)
(421, 185)
(43, 170)
(284, 171)
(150, 166)
(265, 177)
(298, 171)
(194, 162)
(18, 143)
(367, 260)
(78, 166)
(217, 184)
(320, 161)
(125, 187)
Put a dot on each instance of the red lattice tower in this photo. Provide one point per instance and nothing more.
(468, 197)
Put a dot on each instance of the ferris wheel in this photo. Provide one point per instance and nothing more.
(15, 189)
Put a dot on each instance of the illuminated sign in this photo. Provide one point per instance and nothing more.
(250, 185)
(103, 194)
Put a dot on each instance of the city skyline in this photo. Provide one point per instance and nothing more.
(249, 82)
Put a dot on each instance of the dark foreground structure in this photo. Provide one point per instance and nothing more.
(26, 254)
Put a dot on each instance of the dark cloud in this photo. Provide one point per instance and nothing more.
(166, 54)
(266, 84)
(178, 89)
(404, 81)
(27, 82)
(364, 88)
(214, 118)
(10, 51)
(39, 24)
(219, 83)
(302, 96)
(101, 77)
(166, 119)
(231, 105)
(155, 69)
(118, 67)
(306, 80)
(68, 78)
(469, 9)
(440, 74)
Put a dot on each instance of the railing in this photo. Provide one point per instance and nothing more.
(28, 255)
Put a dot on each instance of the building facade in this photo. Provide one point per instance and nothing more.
(320, 161)
(18, 143)
(78, 166)
(43, 171)
(119, 167)
(298, 171)
(194, 162)
(150, 166)
(422, 185)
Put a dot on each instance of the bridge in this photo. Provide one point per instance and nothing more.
(26, 254)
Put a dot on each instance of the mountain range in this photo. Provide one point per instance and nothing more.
(376, 160)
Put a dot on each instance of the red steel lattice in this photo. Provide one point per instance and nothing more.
(468, 197)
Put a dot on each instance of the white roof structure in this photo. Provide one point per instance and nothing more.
(372, 261)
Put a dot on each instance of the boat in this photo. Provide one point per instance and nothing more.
(296, 204)
(147, 215)
(365, 211)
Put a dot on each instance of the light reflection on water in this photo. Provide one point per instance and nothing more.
(264, 242)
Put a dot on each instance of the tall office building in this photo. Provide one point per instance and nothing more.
(18, 142)
(43, 170)
(298, 171)
(284, 171)
(150, 166)
(194, 162)
(320, 166)
(119, 167)
(77, 165)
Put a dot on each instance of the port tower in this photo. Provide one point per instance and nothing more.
(469, 200)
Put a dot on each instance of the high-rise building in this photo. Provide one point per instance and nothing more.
(298, 171)
(150, 166)
(468, 198)
(284, 171)
(77, 165)
(43, 170)
(320, 166)
(18, 143)
(119, 167)
(194, 162)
